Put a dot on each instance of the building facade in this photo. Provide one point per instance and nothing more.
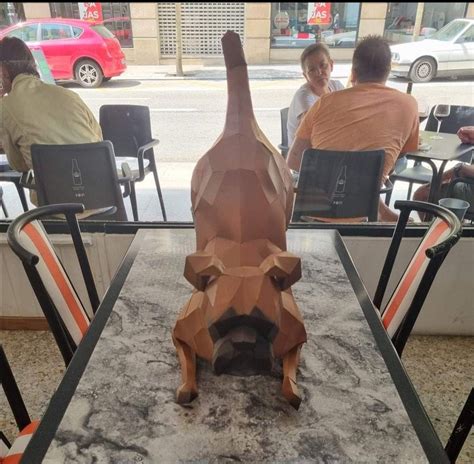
(271, 32)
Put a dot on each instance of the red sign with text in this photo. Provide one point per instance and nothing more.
(320, 13)
(90, 11)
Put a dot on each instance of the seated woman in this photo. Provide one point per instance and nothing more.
(35, 112)
(461, 190)
(317, 66)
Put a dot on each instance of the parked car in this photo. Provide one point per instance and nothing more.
(75, 50)
(447, 52)
(341, 39)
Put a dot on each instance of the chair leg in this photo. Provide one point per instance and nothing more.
(21, 194)
(158, 189)
(461, 429)
(133, 201)
(388, 195)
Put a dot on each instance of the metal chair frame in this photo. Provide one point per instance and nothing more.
(64, 340)
(436, 255)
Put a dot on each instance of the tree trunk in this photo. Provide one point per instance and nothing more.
(179, 42)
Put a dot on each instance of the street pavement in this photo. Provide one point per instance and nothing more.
(188, 115)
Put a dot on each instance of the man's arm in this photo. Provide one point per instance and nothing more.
(295, 154)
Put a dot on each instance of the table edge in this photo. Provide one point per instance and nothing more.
(424, 429)
(44, 435)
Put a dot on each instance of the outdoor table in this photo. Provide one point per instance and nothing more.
(116, 402)
(444, 148)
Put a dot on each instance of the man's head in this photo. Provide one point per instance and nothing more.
(15, 58)
(371, 60)
(317, 65)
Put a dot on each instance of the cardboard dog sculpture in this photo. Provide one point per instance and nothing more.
(242, 315)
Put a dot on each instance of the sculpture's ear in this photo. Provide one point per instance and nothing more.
(284, 267)
(200, 266)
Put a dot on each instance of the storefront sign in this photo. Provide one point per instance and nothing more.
(90, 11)
(282, 20)
(319, 13)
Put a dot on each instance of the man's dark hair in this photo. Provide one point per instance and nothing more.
(313, 48)
(16, 57)
(371, 60)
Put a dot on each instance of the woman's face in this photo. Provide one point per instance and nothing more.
(318, 69)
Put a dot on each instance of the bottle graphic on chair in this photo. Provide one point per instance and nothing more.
(341, 180)
(76, 173)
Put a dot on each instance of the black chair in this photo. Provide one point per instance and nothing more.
(25, 426)
(283, 146)
(128, 127)
(459, 116)
(461, 429)
(61, 305)
(80, 173)
(339, 184)
(452, 193)
(2, 203)
(399, 314)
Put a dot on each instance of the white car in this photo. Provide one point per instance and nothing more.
(447, 52)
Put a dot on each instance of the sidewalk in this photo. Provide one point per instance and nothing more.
(201, 72)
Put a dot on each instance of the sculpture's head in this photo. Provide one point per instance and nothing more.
(243, 309)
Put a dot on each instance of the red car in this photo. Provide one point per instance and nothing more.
(75, 50)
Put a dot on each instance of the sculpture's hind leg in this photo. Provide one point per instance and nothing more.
(187, 391)
(289, 387)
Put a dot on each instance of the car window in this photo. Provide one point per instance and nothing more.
(103, 31)
(55, 31)
(468, 36)
(450, 31)
(25, 33)
(77, 31)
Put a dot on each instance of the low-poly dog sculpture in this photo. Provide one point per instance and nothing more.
(242, 315)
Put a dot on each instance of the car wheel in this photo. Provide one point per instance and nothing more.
(106, 79)
(88, 74)
(423, 70)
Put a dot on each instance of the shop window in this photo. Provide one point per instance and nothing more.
(11, 13)
(437, 15)
(297, 25)
(401, 18)
(115, 16)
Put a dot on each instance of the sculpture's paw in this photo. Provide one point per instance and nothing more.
(186, 394)
(290, 392)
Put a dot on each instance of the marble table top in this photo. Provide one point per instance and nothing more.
(124, 411)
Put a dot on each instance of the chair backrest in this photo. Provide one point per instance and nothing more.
(80, 173)
(54, 290)
(12, 392)
(459, 116)
(128, 127)
(401, 311)
(284, 130)
(339, 184)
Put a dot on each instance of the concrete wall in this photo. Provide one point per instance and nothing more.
(146, 49)
(470, 11)
(36, 10)
(372, 19)
(257, 33)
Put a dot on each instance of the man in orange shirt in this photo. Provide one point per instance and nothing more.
(367, 116)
